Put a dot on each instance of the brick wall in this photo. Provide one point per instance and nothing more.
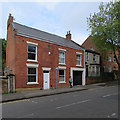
(44, 60)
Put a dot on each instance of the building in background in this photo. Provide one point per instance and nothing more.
(108, 62)
(92, 63)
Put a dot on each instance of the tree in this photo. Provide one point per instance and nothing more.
(3, 53)
(105, 29)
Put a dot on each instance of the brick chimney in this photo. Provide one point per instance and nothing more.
(10, 20)
(68, 36)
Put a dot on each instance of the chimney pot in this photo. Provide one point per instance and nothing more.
(10, 20)
(68, 36)
(69, 31)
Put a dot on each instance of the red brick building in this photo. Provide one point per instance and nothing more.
(43, 60)
(108, 63)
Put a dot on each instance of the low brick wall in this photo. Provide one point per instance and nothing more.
(4, 85)
(92, 80)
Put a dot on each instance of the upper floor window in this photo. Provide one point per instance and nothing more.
(78, 59)
(61, 57)
(32, 52)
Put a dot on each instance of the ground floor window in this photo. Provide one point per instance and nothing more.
(32, 75)
(61, 76)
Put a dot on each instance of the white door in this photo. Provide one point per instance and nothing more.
(46, 79)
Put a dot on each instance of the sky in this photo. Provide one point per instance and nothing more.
(53, 16)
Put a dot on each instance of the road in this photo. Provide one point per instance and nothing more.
(93, 103)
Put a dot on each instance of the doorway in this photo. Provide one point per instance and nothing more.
(46, 79)
(77, 77)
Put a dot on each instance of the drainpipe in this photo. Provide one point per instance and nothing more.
(84, 69)
(56, 76)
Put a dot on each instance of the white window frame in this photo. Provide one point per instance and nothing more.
(77, 53)
(32, 66)
(32, 44)
(63, 68)
(61, 50)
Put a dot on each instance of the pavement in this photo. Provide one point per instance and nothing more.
(40, 93)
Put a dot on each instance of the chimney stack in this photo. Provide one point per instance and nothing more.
(10, 20)
(68, 36)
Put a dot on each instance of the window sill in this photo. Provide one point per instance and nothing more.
(32, 60)
(62, 64)
(79, 65)
(62, 82)
(32, 83)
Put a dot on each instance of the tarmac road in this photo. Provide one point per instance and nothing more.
(93, 103)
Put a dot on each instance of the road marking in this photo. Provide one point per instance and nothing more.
(113, 114)
(109, 95)
(15, 101)
(73, 104)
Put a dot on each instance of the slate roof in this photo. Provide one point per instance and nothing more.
(91, 51)
(44, 36)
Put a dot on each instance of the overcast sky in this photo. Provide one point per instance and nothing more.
(53, 17)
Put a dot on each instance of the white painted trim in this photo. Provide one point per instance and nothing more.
(28, 42)
(31, 60)
(32, 65)
(85, 59)
(46, 69)
(62, 64)
(62, 82)
(78, 53)
(61, 67)
(31, 83)
(79, 65)
(61, 49)
(48, 81)
(78, 69)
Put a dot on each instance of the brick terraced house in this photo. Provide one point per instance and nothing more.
(43, 60)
